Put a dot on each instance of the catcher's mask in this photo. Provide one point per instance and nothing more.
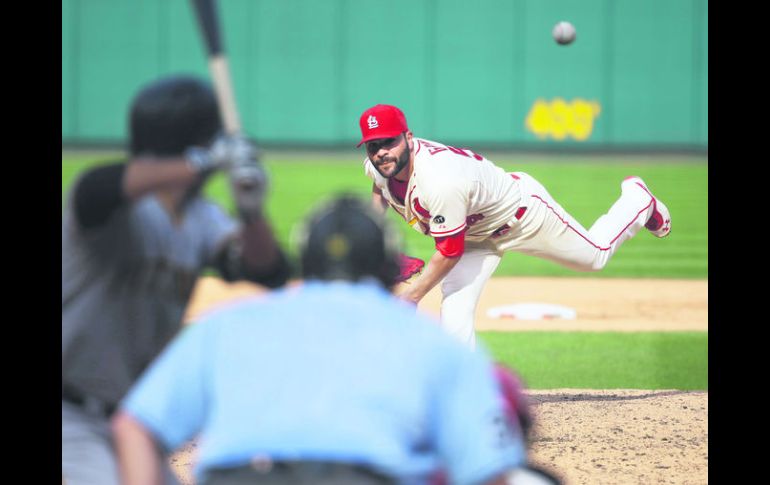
(347, 240)
(172, 113)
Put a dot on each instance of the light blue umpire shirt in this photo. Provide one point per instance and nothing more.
(331, 371)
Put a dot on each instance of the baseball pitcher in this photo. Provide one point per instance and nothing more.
(475, 212)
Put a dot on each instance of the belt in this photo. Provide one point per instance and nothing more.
(503, 230)
(296, 472)
(87, 403)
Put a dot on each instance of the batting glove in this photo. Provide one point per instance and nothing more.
(224, 152)
(248, 181)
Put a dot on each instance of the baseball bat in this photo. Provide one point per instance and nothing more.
(208, 22)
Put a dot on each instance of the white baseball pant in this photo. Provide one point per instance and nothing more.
(547, 231)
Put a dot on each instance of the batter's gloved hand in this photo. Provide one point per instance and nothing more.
(248, 182)
(224, 152)
(409, 267)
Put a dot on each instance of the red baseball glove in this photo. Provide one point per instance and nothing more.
(409, 267)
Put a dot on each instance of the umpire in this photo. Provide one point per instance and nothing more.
(333, 383)
(136, 234)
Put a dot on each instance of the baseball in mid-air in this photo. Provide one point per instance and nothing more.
(564, 33)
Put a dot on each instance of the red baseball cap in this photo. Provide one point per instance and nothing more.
(381, 121)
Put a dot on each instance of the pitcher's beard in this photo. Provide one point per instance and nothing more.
(402, 161)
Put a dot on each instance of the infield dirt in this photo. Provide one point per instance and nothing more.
(584, 436)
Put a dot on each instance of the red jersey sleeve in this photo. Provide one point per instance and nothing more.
(451, 246)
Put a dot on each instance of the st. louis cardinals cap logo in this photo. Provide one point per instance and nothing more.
(372, 122)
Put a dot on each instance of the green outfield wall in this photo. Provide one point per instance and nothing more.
(485, 72)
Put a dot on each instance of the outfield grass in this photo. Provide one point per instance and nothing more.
(584, 187)
(604, 360)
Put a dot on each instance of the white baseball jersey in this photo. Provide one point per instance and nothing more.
(454, 189)
(451, 190)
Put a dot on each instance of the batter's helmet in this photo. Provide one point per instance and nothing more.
(171, 114)
(347, 240)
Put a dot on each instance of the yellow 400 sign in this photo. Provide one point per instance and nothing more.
(559, 119)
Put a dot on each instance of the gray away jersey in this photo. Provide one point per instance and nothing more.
(125, 287)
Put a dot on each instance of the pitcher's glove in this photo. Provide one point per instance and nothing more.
(409, 267)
